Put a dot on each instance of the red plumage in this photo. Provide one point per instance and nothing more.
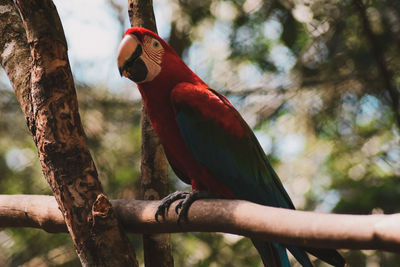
(162, 117)
(205, 139)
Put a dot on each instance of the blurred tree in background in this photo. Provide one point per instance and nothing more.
(318, 80)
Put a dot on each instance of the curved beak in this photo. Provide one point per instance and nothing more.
(127, 45)
(130, 64)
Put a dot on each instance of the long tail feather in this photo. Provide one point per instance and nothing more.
(275, 255)
(272, 254)
(330, 256)
(300, 255)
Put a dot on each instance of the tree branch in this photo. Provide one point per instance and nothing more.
(240, 217)
(37, 64)
(154, 166)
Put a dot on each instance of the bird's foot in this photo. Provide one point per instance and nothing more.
(187, 198)
(167, 201)
(183, 206)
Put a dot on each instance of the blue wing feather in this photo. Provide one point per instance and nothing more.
(240, 164)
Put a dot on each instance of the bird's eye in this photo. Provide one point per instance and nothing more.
(156, 44)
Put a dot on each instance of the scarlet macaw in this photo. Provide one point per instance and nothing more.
(206, 141)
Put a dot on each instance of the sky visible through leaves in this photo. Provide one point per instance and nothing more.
(301, 72)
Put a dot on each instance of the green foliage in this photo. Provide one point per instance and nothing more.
(294, 34)
(298, 70)
(210, 249)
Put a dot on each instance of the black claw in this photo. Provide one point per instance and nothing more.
(182, 208)
(179, 206)
(167, 201)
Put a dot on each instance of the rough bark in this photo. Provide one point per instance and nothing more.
(38, 67)
(230, 216)
(154, 167)
(15, 55)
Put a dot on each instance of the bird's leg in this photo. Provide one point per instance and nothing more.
(167, 201)
(183, 206)
(187, 201)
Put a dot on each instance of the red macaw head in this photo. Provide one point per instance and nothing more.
(141, 55)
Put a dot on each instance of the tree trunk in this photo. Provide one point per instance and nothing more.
(38, 67)
(154, 167)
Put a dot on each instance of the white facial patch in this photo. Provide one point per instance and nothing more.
(151, 55)
(153, 52)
